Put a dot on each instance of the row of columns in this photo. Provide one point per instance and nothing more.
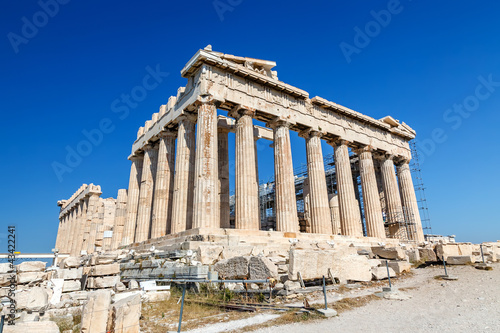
(161, 201)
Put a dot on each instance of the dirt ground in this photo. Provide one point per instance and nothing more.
(470, 304)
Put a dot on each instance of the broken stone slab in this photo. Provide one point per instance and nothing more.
(236, 251)
(459, 260)
(71, 285)
(5, 280)
(209, 254)
(443, 251)
(6, 268)
(69, 273)
(427, 255)
(95, 312)
(31, 266)
(133, 285)
(380, 273)
(103, 282)
(400, 266)
(261, 268)
(413, 255)
(157, 296)
(374, 262)
(389, 252)
(29, 277)
(126, 314)
(109, 269)
(234, 268)
(292, 285)
(119, 287)
(32, 299)
(70, 262)
(106, 258)
(57, 287)
(32, 326)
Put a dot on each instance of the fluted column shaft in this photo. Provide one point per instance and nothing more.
(371, 198)
(182, 202)
(94, 225)
(80, 228)
(120, 218)
(72, 228)
(92, 203)
(164, 185)
(146, 193)
(335, 214)
(409, 201)
(246, 187)
(350, 216)
(132, 200)
(285, 202)
(393, 199)
(318, 193)
(223, 151)
(61, 234)
(206, 179)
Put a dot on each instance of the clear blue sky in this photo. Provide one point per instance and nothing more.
(414, 66)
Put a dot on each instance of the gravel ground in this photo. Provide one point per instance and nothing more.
(470, 304)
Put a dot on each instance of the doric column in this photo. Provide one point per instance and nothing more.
(182, 203)
(206, 179)
(285, 202)
(132, 199)
(95, 224)
(120, 218)
(246, 187)
(72, 227)
(222, 143)
(318, 194)
(335, 213)
(350, 217)
(62, 237)
(164, 185)
(93, 201)
(371, 199)
(395, 216)
(409, 201)
(146, 193)
(80, 228)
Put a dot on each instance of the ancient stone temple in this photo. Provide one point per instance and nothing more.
(179, 175)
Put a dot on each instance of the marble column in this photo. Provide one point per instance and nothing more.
(285, 202)
(206, 179)
(72, 226)
(61, 234)
(132, 199)
(146, 193)
(350, 216)
(409, 201)
(318, 193)
(395, 216)
(335, 214)
(164, 185)
(94, 225)
(182, 201)
(371, 199)
(93, 201)
(223, 151)
(120, 217)
(80, 228)
(246, 187)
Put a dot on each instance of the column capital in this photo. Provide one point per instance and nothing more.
(240, 110)
(338, 142)
(310, 132)
(190, 117)
(136, 157)
(401, 160)
(364, 149)
(279, 122)
(206, 99)
(382, 156)
(167, 134)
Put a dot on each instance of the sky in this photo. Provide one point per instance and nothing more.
(66, 65)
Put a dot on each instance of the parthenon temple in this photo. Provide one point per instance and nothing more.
(179, 182)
